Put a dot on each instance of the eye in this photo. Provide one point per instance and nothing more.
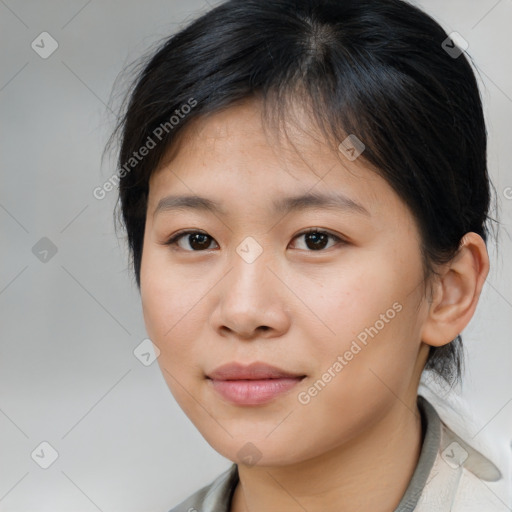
(198, 240)
(317, 239)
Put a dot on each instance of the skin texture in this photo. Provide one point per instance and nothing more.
(356, 443)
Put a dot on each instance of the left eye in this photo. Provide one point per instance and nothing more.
(315, 239)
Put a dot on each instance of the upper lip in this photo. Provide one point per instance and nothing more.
(253, 371)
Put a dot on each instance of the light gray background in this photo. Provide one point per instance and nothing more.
(69, 326)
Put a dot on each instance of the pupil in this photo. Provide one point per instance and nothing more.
(197, 236)
(315, 237)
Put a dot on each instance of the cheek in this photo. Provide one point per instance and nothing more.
(171, 305)
(370, 320)
(350, 299)
(171, 309)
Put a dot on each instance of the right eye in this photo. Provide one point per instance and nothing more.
(198, 240)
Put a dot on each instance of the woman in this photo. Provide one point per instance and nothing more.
(306, 197)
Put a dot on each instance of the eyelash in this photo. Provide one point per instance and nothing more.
(175, 238)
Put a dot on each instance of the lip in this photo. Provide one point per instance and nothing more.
(253, 371)
(252, 384)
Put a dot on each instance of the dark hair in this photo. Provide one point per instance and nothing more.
(381, 70)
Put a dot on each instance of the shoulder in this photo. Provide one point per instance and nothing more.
(214, 497)
(462, 479)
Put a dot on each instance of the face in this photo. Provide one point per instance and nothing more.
(332, 294)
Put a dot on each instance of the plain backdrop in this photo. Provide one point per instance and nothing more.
(70, 315)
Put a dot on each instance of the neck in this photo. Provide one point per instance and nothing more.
(371, 472)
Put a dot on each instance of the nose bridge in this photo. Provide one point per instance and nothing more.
(250, 273)
(248, 298)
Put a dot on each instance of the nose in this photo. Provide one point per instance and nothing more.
(251, 300)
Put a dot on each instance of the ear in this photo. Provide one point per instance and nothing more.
(456, 292)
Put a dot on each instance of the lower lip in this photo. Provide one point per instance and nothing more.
(253, 392)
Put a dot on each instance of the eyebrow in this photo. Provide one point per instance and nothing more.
(311, 200)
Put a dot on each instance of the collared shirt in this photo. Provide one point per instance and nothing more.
(450, 476)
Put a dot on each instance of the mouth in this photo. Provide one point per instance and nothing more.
(255, 384)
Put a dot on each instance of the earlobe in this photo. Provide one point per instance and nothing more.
(456, 292)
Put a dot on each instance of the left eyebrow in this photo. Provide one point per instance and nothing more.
(333, 201)
(311, 200)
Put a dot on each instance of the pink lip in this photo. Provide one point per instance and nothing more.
(252, 385)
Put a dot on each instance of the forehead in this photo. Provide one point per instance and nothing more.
(234, 151)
